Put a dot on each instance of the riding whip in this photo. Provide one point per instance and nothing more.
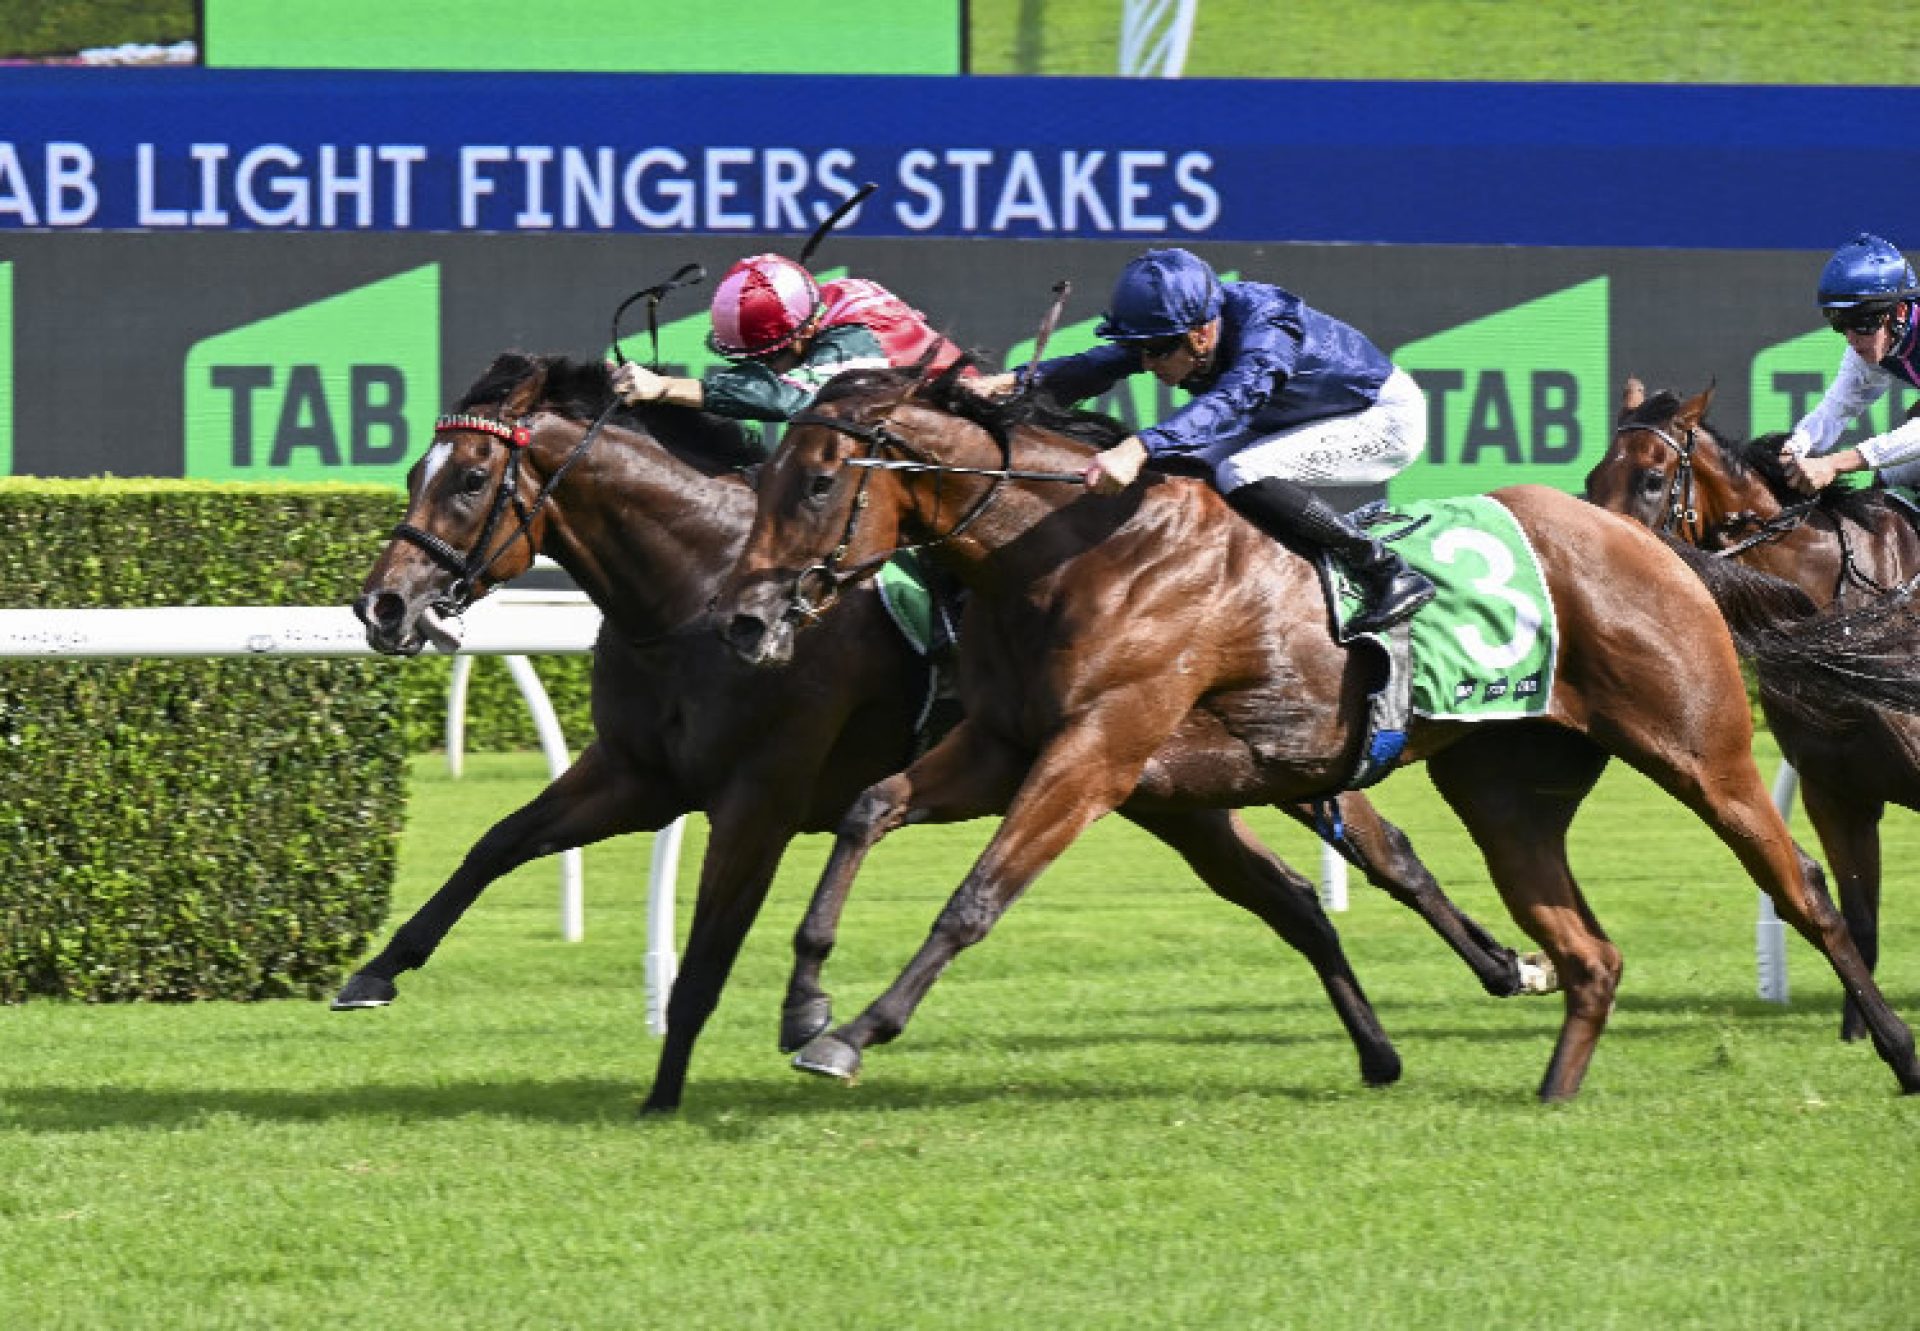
(689, 275)
(1061, 290)
(821, 232)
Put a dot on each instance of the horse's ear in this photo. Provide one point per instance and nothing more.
(1694, 409)
(1631, 396)
(526, 394)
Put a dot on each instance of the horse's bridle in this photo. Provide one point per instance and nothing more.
(469, 568)
(878, 437)
(1680, 509)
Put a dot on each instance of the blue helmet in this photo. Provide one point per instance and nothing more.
(1863, 271)
(1161, 293)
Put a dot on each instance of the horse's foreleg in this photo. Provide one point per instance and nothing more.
(1084, 772)
(594, 799)
(1219, 848)
(1517, 790)
(967, 775)
(744, 844)
(1382, 852)
(1849, 828)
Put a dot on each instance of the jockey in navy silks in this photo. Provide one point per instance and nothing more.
(783, 335)
(1284, 397)
(1870, 297)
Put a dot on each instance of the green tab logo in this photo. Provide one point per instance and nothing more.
(1789, 377)
(6, 369)
(1518, 396)
(333, 391)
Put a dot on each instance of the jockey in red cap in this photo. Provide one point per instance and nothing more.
(784, 335)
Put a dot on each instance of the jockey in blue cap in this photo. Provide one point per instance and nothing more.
(1283, 397)
(1869, 296)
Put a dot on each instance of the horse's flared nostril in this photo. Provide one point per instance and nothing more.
(381, 610)
(745, 633)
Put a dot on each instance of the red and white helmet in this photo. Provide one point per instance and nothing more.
(762, 305)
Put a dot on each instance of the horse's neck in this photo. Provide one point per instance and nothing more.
(1721, 493)
(646, 535)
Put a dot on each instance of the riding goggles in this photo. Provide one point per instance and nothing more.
(1858, 318)
(1159, 348)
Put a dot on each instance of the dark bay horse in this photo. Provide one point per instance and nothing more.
(1152, 648)
(1669, 469)
(652, 512)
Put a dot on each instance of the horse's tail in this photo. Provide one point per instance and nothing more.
(1823, 666)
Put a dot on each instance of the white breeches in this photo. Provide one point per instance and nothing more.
(1365, 448)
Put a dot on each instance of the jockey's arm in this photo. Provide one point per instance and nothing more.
(636, 383)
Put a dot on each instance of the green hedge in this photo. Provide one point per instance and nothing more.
(192, 829)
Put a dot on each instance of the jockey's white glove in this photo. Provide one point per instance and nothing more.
(1798, 443)
(636, 383)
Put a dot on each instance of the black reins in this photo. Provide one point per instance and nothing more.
(827, 573)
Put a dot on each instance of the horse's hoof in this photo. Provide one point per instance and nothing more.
(802, 1021)
(829, 1056)
(1381, 1069)
(364, 991)
(1537, 975)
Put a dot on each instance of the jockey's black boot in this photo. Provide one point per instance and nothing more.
(1289, 512)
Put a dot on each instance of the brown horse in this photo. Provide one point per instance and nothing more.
(1669, 469)
(652, 513)
(1152, 649)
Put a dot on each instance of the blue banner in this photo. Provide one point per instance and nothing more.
(1200, 160)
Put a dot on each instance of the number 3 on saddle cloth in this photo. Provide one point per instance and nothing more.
(1482, 650)
(925, 606)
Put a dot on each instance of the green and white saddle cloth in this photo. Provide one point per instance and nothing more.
(1484, 648)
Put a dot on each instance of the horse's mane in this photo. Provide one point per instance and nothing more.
(580, 390)
(1000, 418)
(1760, 458)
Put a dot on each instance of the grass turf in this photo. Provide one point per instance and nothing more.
(1128, 1107)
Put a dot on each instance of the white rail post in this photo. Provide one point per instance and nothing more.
(1333, 880)
(1769, 932)
(1154, 35)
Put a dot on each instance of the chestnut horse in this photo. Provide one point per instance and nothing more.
(1669, 469)
(652, 513)
(1153, 648)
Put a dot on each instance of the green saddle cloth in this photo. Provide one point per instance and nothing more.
(904, 591)
(1484, 648)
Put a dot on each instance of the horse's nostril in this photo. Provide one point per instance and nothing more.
(744, 633)
(380, 610)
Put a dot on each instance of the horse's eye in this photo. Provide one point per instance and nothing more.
(474, 481)
(821, 486)
(1651, 481)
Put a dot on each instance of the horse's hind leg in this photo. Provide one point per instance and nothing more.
(1742, 814)
(1516, 790)
(1708, 766)
(968, 774)
(1218, 846)
(594, 799)
(1849, 828)
(1382, 852)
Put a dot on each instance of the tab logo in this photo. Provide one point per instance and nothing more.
(1788, 378)
(1515, 397)
(6, 369)
(334, 391)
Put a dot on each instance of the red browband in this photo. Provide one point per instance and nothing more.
(516, 436)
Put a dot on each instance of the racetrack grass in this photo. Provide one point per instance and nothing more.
(1594, 41)
(1129, 1107)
